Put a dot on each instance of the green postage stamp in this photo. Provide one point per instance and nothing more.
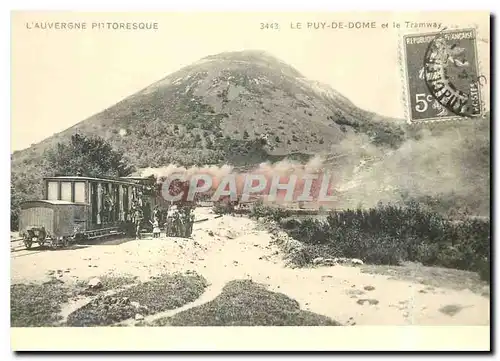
(442, 75)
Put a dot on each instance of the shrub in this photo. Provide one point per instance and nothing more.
(259, 210)
(223, 208)
(389, 234)
(483, 268)
(427, 253)
(382, 250)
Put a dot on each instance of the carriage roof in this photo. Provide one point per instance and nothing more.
(106, 180)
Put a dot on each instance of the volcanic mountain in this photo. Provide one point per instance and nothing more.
(237, 107)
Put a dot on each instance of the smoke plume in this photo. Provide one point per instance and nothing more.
(452, 164)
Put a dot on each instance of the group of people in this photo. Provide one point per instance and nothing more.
(178, 222)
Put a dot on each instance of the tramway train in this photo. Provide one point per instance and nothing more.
(75, 207)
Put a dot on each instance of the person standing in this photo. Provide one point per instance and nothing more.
(176, 223)
(138, 222)
(170, 221)
(190, 224)
(156, 228)
(156, 213)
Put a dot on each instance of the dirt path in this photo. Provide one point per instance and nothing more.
(231, 248)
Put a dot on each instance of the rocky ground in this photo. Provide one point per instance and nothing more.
(194, 277)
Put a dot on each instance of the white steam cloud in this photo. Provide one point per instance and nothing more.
(451, 164)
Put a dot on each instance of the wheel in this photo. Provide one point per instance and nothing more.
(53, 243)
(28, 243)
(65, 242)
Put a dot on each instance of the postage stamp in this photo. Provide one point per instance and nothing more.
(442, 75)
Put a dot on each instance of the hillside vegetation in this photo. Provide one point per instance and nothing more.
(388, 235)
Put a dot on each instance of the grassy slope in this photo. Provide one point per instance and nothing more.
(36, 305)
(162, 293)
(244, 303)
(39, 305)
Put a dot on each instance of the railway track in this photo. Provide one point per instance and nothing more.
(26, 253)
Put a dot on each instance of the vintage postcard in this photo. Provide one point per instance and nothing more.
(250, 181)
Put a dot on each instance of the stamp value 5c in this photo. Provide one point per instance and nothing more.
(442, 75)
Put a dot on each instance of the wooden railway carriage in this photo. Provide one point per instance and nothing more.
(84, 207)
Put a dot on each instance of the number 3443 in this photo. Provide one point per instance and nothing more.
(422, 102)
(274, 26)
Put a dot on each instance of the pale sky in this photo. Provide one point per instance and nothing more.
(61, 77)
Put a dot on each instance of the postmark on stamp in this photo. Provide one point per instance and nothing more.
(442, 75)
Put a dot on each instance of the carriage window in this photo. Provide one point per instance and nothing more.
(52, 190)
(80, 192)
(66, 191)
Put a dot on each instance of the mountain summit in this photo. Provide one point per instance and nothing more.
(238, 107)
